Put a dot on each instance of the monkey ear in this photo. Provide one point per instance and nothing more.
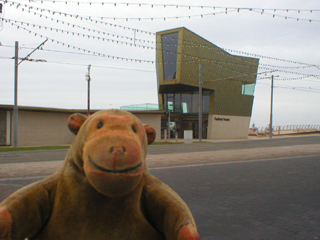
(75, 121)
(151, 133)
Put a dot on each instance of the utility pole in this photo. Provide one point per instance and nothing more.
(88, 79)
(15, 109)
(200, 102)
(271, 108)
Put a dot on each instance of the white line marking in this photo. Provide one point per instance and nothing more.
(232, 162)
(22, 178)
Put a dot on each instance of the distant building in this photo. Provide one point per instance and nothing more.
(49, 126)
(228, 84)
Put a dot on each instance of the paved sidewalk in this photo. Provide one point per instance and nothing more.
(170, 155)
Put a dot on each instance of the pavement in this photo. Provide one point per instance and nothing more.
(42, 163)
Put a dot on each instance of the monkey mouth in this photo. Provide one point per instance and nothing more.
(113, 171)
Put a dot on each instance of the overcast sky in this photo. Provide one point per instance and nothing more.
(123, 70)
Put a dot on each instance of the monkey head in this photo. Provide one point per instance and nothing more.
(110, 149)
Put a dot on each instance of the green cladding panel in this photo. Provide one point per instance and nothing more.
(230, 78)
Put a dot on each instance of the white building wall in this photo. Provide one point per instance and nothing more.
(43, 128)
(228, 127)
(51, 128)
(8, 128)
(153, 120)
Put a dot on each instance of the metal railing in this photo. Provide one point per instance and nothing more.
(288, 128)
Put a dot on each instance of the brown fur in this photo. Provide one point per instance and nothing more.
(103, 191)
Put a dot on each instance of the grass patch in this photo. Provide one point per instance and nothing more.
(11, 149)
(165, 143)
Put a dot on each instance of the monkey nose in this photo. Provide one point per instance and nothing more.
(118, 149)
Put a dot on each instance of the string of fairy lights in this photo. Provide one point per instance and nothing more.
(95, 53)
(80, 27)
(172, 5)
(226, 10)
(96, 19)
(33, 10)
(20, 24)
(132, 41)
(219, 63)
(73, 33)
(304, 89)
(153, 5)
(259, 75)
(29, 8)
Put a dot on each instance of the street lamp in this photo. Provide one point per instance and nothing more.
(200, 103)
(15, 109)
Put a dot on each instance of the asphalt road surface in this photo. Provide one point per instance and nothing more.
(276, 199)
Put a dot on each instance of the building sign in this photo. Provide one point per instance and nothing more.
(222, 119)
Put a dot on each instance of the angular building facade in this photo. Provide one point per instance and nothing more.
(185, 60)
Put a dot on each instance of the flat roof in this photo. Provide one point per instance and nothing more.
(64, 110)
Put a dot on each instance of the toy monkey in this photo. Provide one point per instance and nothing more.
(104, 190)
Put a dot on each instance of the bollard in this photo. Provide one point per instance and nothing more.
(188, 136)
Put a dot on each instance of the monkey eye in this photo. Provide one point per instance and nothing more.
(100, 124)
(134, 129)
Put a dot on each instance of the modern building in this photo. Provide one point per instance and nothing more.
(187, 65)
(184, 61)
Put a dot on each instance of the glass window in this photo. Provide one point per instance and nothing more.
(184, 107)
(195, 102)
(169, 55)
(170, 106)
(186, 99)
(170, 101)
(248, 89)
(186, 102)
(177, 102)
(206, 103)
(164, 98)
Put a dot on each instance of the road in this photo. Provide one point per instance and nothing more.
(276, 198)
(264, 199)
(270, 199)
